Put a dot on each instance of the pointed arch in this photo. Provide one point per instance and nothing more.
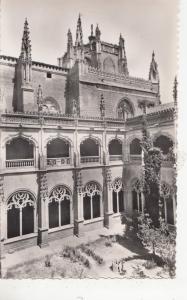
(125, 109)
(108, 65)
(92, 200)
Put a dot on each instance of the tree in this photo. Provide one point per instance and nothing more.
(159, 240)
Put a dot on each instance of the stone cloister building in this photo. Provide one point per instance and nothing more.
(70, 140)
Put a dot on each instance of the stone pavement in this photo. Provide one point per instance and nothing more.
(35, 252)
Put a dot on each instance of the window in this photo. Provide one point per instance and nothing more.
(124, 110)
(117, 196)
(60, 206)
(20, 214)
(108, 65)
(49, 75)
(135, 147)
(137, 199)
(19, 148)
(58, 152)
(92, 201)
(115, 147)
(164, 143)
(89, 151)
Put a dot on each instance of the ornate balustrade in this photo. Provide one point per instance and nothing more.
(135, 157)
(115, 157)
(90, 159)
(19, 163)
(58, 161)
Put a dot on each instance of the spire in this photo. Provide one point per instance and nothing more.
(175, 92)
(26, 43)
(97, 33)
(91, 29)
(122, 57)
(79, 35)
(153, 71)
(70, 40)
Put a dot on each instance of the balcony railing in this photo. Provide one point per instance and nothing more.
(115, 157)
(58, 161)
(90, 159)
(19, 163)
(135, 156)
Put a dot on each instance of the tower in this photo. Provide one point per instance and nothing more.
(25, 96)
(153, 71)
(122, 60)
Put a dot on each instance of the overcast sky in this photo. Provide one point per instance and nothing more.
(146, 25)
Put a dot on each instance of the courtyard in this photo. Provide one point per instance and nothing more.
(115, 253)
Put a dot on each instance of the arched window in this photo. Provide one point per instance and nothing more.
(19, 153)
(58, 152)
(60, 206)
(137, 197)
(50, 105)
(108, 65)
(115, 149)
(135, 147)
(89, 150)
(20, 214)
(117, 196)
(167, 209)
(164, 143)
(92, 201)
(124, 110)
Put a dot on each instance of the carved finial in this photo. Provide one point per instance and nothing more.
(175, 92)
(39, 98)
(122, 57)
(153, 71)
(97, 33)
(79, 34)
(70, 40)
(91, 29)
(26, 43)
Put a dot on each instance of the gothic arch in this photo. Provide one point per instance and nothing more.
(92, 183)
(20, 135)
(163, 133)
(63, 185)
(51, 104)
(22, 190)
(61, 137)
(124, 107)
(92, 200)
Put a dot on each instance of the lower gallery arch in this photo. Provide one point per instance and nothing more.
(60, 206)
(20, 214)
(117, 196)
(167, 207)
(92, 201)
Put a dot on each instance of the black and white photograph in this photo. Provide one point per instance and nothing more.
(88, 139)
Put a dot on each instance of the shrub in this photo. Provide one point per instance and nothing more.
(159, 240)
(150, 264)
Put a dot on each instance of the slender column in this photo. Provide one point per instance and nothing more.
(59, 213)
(165, 210)
(43, 210)
(143, 201)
(117, 202)
(78, 203)
(107, 186)
(20, 221)
(138, 201)
(174, 208)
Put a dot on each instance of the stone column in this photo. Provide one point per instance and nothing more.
(43, 210)
(107, 189)
(78, 203)
(1, 231)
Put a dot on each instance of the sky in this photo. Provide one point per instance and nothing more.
(146, 25)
